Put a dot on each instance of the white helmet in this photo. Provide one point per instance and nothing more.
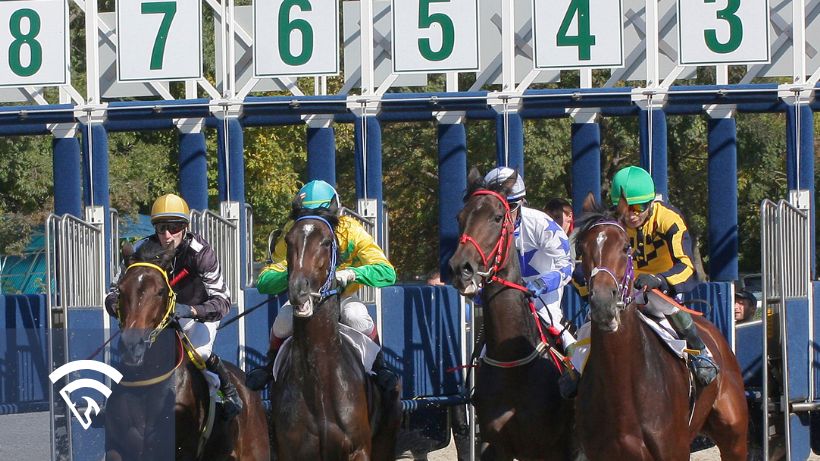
(500, 174)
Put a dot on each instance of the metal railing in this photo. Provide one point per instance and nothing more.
(114, 238)
(222, 232)
(250, 280)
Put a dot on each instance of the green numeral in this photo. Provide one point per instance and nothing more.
(426, 20)
(286, 27)
(167, 10)
(20, 39)
(735, 29)
(584, 40)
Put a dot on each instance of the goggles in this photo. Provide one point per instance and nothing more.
(639, 208)
(172, 227)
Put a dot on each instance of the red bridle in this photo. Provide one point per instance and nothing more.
(501, 250)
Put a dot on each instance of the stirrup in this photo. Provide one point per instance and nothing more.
(704, 368)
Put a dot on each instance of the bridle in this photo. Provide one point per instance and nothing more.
(624, 285)
(327, 290)
(172, 301)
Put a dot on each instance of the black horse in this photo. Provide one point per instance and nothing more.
(519, 408)
(325, 406)
(161, 408)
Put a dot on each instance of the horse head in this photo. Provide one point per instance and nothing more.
(606, 255)
(486, 238)
(145, 301)
(312, 256)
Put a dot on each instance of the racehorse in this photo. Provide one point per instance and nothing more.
(519, 408)
(636, 399)
(161, 408)
(325, 406)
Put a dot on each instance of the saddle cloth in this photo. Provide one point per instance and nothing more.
(365, 348)
(579, 352)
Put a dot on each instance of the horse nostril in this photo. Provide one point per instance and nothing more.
(467, 270)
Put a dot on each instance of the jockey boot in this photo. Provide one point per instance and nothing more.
(385, 378)
(232, 404)
(259, 377)
(703, 365)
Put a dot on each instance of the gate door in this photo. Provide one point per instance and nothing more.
(787, 390)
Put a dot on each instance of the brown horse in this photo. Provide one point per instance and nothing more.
(325, 406)
(634, 396)
(520, 411)
(160, 408)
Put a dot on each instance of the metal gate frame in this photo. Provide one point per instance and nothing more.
(785, 257)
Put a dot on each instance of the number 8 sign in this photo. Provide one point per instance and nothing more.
(578, 33)
(33, 37)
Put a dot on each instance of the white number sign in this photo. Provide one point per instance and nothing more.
(435, 35)
(723, 31)
(159, 40)
(578, 33)
(295, 37)
(33, 43)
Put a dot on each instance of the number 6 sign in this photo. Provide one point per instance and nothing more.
(34, 43)
(159, 40)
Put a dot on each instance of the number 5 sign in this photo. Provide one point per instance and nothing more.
(33, 43)
(723, 31)
(159, 40)
(578, 33)
(435, 35)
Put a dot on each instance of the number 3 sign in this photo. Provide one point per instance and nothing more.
(159, 40)
(723, 31)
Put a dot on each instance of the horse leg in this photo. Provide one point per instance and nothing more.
(384, 440)
(728, 427)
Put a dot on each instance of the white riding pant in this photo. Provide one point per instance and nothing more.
(354, 314)
(554, 311)
(201, 334)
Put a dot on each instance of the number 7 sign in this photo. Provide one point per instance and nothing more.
(569, 34)
(159, 40)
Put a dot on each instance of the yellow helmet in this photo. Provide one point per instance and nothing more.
(169, 207)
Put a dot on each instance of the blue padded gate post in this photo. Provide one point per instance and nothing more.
(321, 153)
(193, 169)
(95, 156)
(722, 183)
(659, 162)
(369, 164)
(514, 142)
(804, 176)
(67, 180)
(452, 182)
(586, 163)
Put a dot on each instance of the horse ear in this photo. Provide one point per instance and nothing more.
(296, 205)
(623, 207)
(507, 185)
(589, 203)
(127, 252)
(167, 257)
(474, 179)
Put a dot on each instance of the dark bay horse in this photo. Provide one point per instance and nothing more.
(633, 399)
(160, 408)
(324, 405)
(519, 408)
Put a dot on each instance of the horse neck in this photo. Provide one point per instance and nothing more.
(157, 360)
(317, 339)
(509, 328)
(620, 356)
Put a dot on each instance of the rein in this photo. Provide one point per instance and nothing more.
(500, 254)
(624, 284)
(326, 291)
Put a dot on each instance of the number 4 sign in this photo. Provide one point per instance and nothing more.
(159, 40)
(723, 31)
(577, 33)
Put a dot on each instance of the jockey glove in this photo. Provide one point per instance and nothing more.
(183, 311)
(650, 281)
(537, 286)
(345, 277)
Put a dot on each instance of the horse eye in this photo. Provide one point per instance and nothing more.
(499, 217)
(327, 242)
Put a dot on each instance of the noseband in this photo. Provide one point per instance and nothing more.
(327, 289)
(624, 284)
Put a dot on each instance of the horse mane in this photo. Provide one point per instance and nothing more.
(331, 216)
(148, 250)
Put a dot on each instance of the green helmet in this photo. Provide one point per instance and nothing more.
(318, 194)
(636, 184)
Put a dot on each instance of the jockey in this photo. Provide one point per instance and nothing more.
(543, 251)
(361, 262)
(662, 252)
(202, 296)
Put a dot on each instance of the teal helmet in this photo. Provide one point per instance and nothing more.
(318, 194)
(636, 185)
